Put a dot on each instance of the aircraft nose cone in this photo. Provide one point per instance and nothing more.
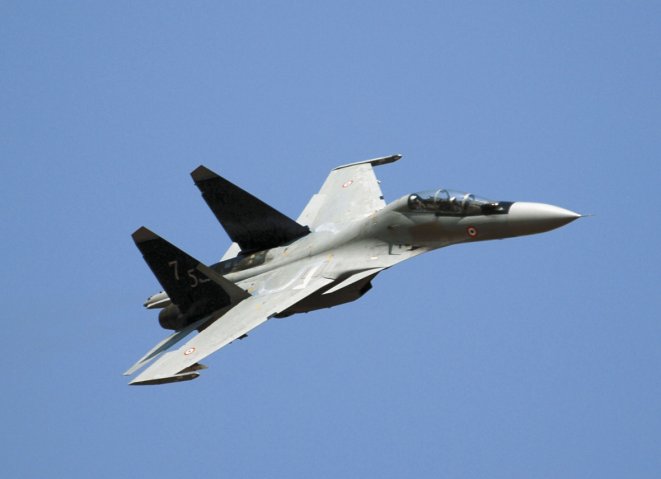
(529, 218)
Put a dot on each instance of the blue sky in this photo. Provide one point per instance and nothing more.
(531, 357)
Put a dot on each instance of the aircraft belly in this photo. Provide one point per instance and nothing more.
(320, 300)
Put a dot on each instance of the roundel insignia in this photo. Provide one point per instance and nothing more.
(189, 351)
(472, 231)
(347, 184)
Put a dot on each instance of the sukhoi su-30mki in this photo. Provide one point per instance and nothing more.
(277, 267)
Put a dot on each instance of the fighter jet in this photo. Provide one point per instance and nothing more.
(277, 267)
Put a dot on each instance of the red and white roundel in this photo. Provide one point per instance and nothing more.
(347, 184)
(472, 231)
(189, 351)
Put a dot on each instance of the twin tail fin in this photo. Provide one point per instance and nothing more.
(195, 288)
(248, 221)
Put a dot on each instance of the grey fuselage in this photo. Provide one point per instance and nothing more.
(362, 248)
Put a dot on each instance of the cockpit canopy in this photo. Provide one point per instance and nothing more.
(451, 203)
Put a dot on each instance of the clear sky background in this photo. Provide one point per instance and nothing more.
(536, 357)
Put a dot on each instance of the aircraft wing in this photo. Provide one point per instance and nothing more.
(164, 345)
(350, 192)
(181, 364)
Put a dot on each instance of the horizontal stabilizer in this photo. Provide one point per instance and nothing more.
(166, 344)
(248, 221)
